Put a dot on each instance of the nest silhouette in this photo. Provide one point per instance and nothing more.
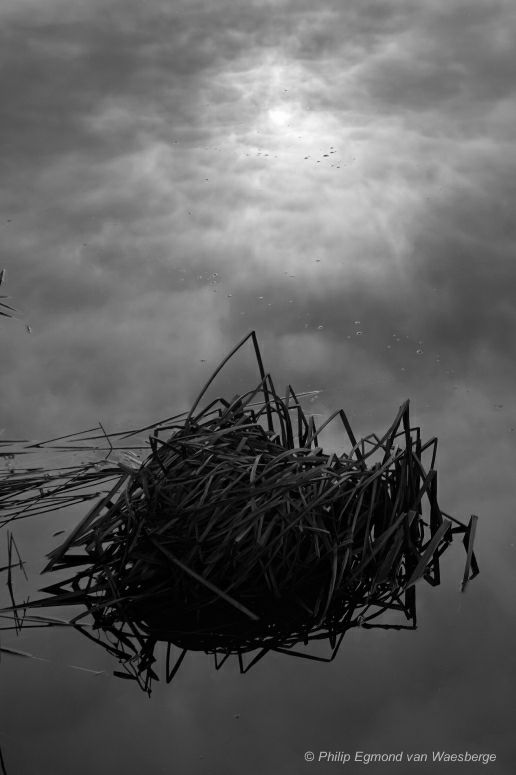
(239, 535)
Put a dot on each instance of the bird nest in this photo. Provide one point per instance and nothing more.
(239, 535)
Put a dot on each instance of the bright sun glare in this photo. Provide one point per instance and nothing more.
(280, 115)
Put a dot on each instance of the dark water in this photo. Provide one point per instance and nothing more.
(157, 205)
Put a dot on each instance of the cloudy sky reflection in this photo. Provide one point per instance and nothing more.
(340, 177)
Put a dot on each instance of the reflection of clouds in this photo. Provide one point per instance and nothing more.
(366, 211)
(164, 168)
(126, 369)
(342, 163)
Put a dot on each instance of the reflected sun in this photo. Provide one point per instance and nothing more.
(280, 115)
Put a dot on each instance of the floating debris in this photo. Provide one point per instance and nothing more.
(239, 536)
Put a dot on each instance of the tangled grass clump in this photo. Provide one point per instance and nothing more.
(238, 535)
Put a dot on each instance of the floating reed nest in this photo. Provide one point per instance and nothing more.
(239, 535)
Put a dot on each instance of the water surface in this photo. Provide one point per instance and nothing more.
(342, 181)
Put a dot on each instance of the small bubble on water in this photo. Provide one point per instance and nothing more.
(357, 322)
